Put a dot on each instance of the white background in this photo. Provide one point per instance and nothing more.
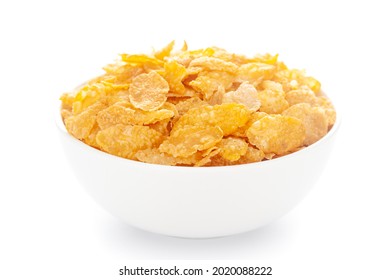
(51, 229)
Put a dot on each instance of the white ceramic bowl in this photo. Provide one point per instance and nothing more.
(197, 202)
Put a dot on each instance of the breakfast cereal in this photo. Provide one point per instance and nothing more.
(204, 107)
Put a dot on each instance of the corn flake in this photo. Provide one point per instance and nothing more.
(166, 51)
(207, 158)
(277, 134)
(80, 125)
(324, 102)
(272, 98)
(125, 140)
(301, 96)
(174, 73)
(214, 64)
(208, 83)
(186, 141)
(185, 105)
(229, 117)
(155, 156)
(123, 113)
(255, 116)
(246, 94)
(313, 118)
(91, 138)
(255, 72)
(233, 148)
(251, 155)
(144, 60)
(148, 91)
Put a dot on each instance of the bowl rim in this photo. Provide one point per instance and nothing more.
(61, 126)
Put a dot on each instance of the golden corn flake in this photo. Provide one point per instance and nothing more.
(141, 59)
(217, 97)
(272, 98)
(207, 158)
(122, 72)
(186, 56)
(251, 155)
(65, 114)
(125, 140)
(208, 83)
(214, 64)
(123, 113)
(187, 141)
(67, 100)
(255, 72)
(86, 96)
(166, 51)
(312, 83)
(146, 118)
(210, 151)
(272, 155)
(266, 58)
(203, 107)
(246, 94)
(185, 105)
(272, 85)
(171, 107)
(191, 71)
(233, 148)
(174, 73)
(229, 117)
(80, 125)
(292, 79)
(272, 102)
(164, 127)
(324, 102)
(277, 134)
(154, 156)
(91, 138)
(313, 118)
(148, 91)
(255, 116)
(301, 96)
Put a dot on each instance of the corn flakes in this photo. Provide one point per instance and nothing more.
(301, 96)
(174, 73)
(313, 118)
(80, 125)
(123, 113)
(204, 107)
(255, 72)
(246, 94)
(185, 105)
(214, 64)
(186, 141)
(208, 83)
(277, 134)
(148, 91)
(229, 117)
(125, 140)
(233, 148)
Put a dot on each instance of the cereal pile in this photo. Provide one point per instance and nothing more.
(204, 107)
